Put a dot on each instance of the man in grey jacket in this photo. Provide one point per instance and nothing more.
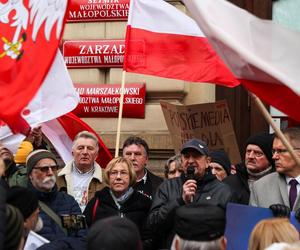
(281, 187)
(196, 185)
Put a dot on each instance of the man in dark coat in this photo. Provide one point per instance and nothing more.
(42, 169)
(136, 149)
(258, 163)
(196, 185)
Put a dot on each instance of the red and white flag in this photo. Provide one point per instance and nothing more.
(262, 54)
(56, 97)
(62, 131)
(163, 41)
(30, 33)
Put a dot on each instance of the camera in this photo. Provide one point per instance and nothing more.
(73, 222)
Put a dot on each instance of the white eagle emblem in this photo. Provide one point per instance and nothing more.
(48, 11)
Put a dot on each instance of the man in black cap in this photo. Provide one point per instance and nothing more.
(258, 163)
(196, 185)
(199, 227)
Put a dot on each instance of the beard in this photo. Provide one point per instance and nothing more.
(49, 182)
(44, 185)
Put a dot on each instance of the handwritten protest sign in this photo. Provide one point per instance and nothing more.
(209, 122)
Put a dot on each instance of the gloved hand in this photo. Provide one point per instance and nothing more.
(280, 210)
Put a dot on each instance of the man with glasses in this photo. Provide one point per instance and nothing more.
(282, 187)
(82, 176)
(42, 169)
(258, 163)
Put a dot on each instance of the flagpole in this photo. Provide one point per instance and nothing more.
(278, 132)
(120, 114)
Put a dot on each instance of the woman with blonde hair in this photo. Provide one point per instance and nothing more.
(119, 198)
(269, 231)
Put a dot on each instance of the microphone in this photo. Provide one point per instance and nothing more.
(190, 175)
(190, 172)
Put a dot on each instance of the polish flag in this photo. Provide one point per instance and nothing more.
(56, 97)
(262, 54)
(30, 34)
(62, 131)
(163, 41)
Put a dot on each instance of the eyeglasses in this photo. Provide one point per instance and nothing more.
(281, 150)
(114, 174)
(45, 169)
(255, 152)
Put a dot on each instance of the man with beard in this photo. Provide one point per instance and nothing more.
(42, 169)
(196, 185)
(258, 163)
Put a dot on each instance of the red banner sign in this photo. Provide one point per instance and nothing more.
(97, 10)
(102, 100)
(94, 53)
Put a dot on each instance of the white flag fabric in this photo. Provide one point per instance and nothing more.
(261, 53)
(163, 41)
(56, 97)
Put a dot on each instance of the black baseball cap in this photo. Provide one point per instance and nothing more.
(196, 144)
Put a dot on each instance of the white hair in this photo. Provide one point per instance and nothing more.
(196, 245)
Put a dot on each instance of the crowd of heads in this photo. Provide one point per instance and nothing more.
(196, 226)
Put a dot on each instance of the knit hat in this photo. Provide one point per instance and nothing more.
(23, 199)
(35, 156)
(114, 233)
(23, 151)
(265, 142)
(220, 157)
(13, 228)
(196, 144)
(200, 222)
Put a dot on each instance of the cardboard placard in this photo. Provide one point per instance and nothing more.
(209, 122)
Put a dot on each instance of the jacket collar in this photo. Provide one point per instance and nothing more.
(68, 169)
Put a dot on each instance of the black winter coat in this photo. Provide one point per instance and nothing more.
(169, 198)
(62, 204)
(136, 208)
(239, 184)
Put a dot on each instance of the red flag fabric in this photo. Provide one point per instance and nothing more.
(162, 41)
(261, 53)
(30, 34)
(62, 131)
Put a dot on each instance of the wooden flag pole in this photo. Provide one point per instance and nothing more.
(120, 114)
(278, 132)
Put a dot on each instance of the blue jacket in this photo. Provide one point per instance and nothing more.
(62, 204)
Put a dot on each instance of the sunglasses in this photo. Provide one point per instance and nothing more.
(45, 169)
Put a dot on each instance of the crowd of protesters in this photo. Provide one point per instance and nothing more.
(126, 206)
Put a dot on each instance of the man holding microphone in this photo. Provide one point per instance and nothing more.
(196, 185)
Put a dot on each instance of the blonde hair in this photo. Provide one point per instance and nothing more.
(269, 231)
(113, 163)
